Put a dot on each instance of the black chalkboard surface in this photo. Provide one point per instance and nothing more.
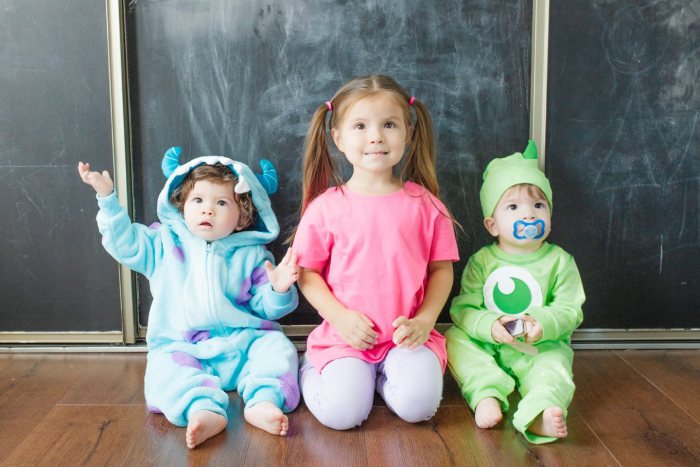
(242, 79)
(623, 156)
(54, 111)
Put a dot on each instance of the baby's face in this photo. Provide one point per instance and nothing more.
(210, 211)
(515, 205)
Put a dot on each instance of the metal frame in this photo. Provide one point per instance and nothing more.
(121, 152)
(538, 81)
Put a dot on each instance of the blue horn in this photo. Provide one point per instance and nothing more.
(268, 179)
(171, 161)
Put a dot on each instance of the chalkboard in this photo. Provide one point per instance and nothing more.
(54, 111)
(242, 79)
(623, 157)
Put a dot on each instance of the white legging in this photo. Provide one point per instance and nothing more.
(409, 381)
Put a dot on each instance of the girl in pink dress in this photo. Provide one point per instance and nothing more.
(376, 257)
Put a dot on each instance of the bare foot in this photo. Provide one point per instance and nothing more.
(202, 426)
(267, 416)
(488, 412)
(550, 423)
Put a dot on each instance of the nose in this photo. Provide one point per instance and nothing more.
(528, 213)
(376, 137)
(207, 209)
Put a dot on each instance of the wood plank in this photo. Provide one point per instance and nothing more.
(308, 443)
(676, 373)
(112, 379)
(80, 435)
(638, 424)
(162, 443)
(447, 439)
(30, 386)
(5, 359)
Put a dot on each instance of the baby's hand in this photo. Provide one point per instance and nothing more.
(533, 329)
(100, 182)
(285, 274)
(355, 329)
(411, 333)
(499, 332)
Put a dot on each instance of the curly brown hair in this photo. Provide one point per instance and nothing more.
(220, 174)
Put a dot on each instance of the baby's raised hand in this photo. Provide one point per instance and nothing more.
(355, 329)
(411, 333)
(499, 332)
(533, 330)
(102, 183)
(285, 274)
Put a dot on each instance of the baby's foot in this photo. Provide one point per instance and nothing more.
(267, 416)
(202, 426)
(550, 423)
(488, 412)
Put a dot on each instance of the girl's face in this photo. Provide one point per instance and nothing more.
(373, 134)
(211, 212)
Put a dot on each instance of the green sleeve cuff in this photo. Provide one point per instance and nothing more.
(549, 326)
(483, 327)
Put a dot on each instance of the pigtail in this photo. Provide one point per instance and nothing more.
(419, 166)
(318, 165)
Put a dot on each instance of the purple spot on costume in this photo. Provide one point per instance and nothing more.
(266, 325)
(153, 409)
(244, 295)
(195, 336)
(259, 277)
(155, 226)
(208, 383)
(177, 251)
(290, 389)
(183, 359)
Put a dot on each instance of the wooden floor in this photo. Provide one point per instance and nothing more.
(631, 408)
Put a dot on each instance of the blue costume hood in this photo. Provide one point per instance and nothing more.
(265, 228)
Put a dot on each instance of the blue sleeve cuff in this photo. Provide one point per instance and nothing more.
(280, 299)
(109, 204)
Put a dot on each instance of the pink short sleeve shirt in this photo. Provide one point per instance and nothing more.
(374, 253)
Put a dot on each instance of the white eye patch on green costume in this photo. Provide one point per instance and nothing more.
(527, 230)
(511, 290)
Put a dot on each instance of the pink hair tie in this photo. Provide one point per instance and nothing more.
(411, 101)
(328, 104)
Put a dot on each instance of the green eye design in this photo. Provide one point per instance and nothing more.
(511, 290)
(515, 302)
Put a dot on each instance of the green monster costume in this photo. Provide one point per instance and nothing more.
(544, 284)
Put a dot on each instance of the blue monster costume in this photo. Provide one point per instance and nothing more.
(210, 327)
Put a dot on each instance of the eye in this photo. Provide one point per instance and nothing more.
(196, 200)
(539, 205)
(359, 126)
(221, 202)
(389, 125)
(512, 207)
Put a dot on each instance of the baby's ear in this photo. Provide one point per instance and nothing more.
(491, 226)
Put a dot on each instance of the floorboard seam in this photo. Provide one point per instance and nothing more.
(656, 387)
(596, 436)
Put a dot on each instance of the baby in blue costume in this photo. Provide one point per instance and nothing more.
(215, 293)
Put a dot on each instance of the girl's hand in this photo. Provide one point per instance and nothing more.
(533, 329)
(498, 330)
(285, 274)
(411, 333)
(355, 329)
(100, 182)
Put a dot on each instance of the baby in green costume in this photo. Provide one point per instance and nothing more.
(520, 276)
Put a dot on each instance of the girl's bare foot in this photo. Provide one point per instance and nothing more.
(550, 423)
(202, 426)
(267, 416)
(488, 412)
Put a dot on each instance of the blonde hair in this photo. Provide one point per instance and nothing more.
(418, 166)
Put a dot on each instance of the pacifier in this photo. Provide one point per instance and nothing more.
(530, 230)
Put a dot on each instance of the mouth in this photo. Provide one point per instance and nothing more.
(205, 224)
(376, 154)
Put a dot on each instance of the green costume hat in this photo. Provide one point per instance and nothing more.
(506, 172)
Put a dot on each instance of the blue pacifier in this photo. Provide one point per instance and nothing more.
(530, 230)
